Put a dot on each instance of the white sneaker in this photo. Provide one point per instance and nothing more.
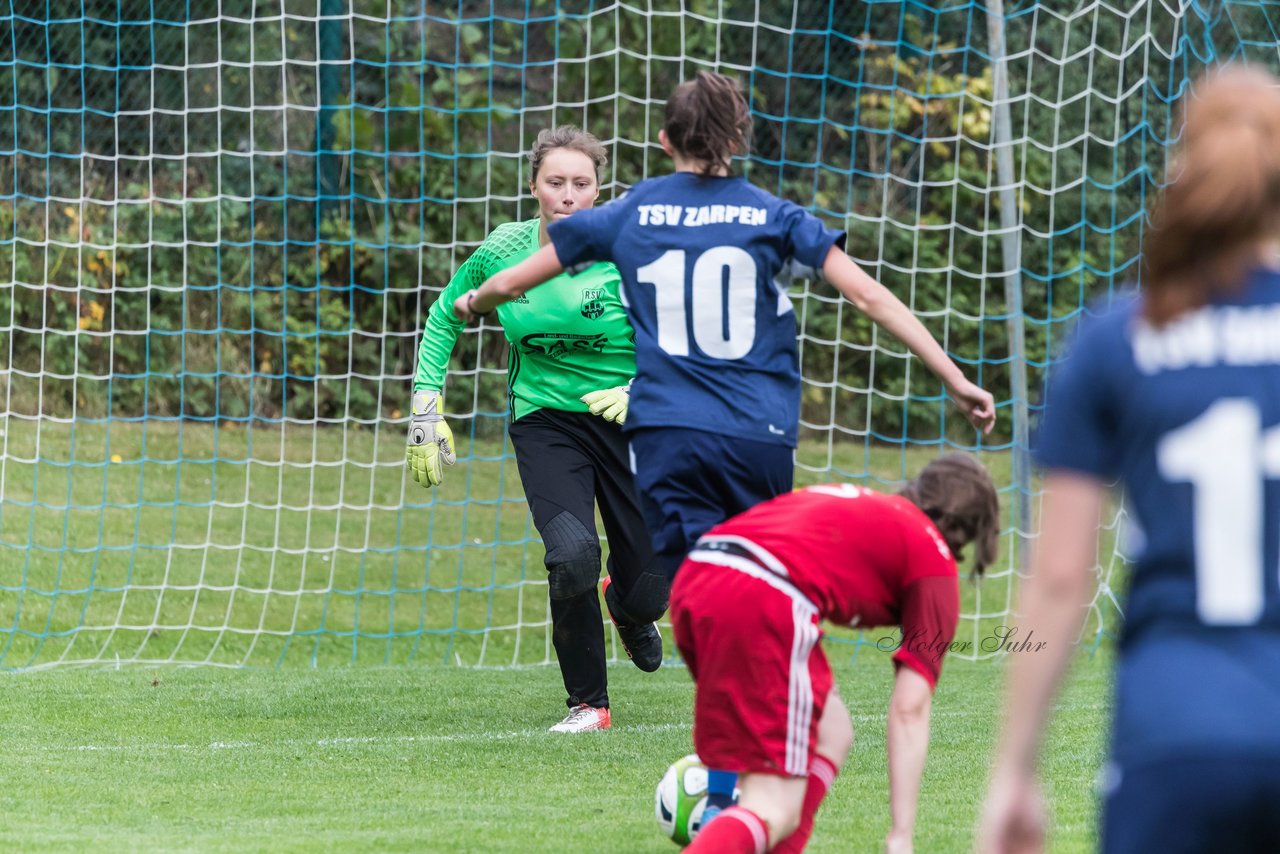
(583, 718)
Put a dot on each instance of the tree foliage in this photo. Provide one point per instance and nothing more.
(237, 213)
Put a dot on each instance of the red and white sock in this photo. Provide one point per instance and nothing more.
(822, 773)
(734, 831)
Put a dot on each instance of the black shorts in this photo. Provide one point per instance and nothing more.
(570, 461)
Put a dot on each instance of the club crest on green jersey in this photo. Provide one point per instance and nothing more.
(592, 303)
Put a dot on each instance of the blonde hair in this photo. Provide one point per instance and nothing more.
(572, 138)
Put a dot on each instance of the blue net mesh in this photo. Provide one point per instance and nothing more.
(221, 225)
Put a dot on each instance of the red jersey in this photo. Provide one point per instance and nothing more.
(862, 559)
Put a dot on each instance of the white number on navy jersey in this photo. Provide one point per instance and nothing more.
(723, 328)
(667, 277)
(840, 490)
(1220, 453)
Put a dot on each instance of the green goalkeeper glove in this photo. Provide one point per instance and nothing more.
(610, 403)
(430, 440)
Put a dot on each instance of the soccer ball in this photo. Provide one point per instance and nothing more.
(681, 799)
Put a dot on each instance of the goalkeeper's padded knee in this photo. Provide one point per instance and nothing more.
(645, 600)
(573, 556)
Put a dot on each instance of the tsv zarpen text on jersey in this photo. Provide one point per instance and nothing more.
(693, 215)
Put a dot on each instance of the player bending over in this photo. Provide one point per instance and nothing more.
(745, 609)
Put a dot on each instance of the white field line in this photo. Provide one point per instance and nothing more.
(462, 737)
(358, 741)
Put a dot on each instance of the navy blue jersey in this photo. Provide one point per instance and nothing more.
(705, 265)
(1187, 418)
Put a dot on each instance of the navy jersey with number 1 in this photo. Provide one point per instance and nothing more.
(1187, 418)
(705, 263)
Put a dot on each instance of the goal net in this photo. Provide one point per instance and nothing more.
(222, 223)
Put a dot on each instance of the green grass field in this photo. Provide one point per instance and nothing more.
(445, 759)
(353, 596)
(297, 545)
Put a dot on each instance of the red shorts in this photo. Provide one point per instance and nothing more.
(761, 679)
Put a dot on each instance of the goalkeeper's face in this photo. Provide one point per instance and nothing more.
(566, 182)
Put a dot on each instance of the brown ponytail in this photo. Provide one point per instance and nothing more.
(1223, 198)
(707, 121)
(956, 492)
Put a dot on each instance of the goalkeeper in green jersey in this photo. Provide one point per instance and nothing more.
(572, 358)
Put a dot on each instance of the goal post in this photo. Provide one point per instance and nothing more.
(222, 225)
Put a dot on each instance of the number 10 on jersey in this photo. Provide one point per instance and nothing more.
(722, 307)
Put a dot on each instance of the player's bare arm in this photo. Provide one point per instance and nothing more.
(907, 735)
(508, 284)
(1052, 602)
(879, 303)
